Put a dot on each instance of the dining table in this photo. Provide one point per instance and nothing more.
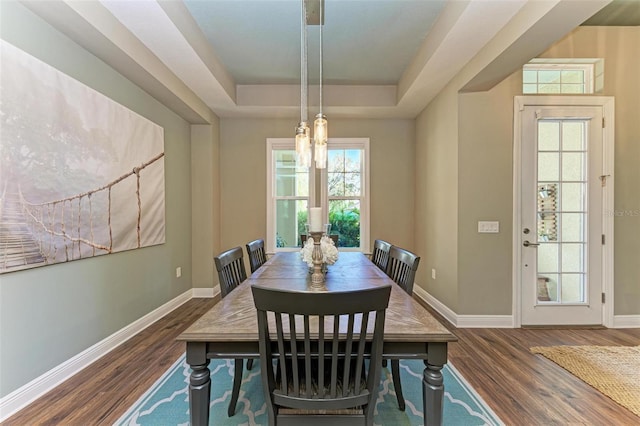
(229, 329)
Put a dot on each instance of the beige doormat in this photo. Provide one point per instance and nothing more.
(613, 370)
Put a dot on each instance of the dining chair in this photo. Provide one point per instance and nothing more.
(380, 255)
(231, 273)
(320, 348)
(401, 268)
(255, 252)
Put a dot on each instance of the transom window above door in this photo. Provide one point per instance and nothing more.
(563, 76)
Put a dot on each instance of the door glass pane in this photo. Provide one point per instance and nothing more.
(572, 258)
(548, 166)
(573, 166)
(547, 287)
(344, 217)
(548, 258)
(572, 225)
(573, 136)
(573, 196)
(291, 215)
(561, 203)
(572, 288)
(549, 135)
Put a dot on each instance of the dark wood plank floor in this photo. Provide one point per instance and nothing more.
(522, 388)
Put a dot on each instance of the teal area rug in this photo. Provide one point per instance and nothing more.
(166, 403)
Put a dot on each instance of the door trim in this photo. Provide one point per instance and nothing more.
(607, 104)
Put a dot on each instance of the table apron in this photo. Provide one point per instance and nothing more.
(434, 352)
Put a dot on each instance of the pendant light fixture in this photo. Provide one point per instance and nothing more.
(320, 134)
(303, 133)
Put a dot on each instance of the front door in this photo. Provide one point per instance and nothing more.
(561, 215)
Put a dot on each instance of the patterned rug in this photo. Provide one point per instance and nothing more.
(166, 402)
(612, 370)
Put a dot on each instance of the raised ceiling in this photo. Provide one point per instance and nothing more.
(241, 58)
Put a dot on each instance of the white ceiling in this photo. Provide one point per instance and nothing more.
(241, 58)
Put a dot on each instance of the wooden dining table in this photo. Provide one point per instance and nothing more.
(229, 329)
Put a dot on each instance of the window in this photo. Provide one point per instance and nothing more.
(562, 76)
(288, 195)
(343, 188)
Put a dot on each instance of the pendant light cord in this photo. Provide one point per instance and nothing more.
(303, 64)
(321, 25)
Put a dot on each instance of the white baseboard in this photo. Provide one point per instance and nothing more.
(499, 321)
(464, 321)
(26, 394)
(485, 321)
(206, 292)
(440, 307)
(626, 321)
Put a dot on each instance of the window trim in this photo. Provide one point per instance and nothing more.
(274, 144)
(365, 203)
(587, 66)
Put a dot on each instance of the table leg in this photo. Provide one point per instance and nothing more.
(199, 384)
(433, 384)
(432, 394)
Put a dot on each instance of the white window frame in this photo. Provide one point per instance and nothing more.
(274, 144)
(586, 65)
(277, 144)
(352, 143)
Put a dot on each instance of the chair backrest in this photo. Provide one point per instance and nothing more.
(230, 267)
(255, 252)
(320, 343)
(380, 255)
(402, 267)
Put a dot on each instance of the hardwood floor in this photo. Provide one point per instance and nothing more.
(522, 388)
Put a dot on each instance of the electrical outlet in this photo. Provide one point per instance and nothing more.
(178, 272)
(433, 274)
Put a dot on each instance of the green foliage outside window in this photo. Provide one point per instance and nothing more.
(345, 221)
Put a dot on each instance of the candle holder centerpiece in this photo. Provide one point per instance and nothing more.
(319, 250)
(317, 277)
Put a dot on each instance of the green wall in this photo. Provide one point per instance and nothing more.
(243, 175)
(465, 142)
(52, 313)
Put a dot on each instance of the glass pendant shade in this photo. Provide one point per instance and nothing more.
(303, 145)
(320, 129)
(320, 139)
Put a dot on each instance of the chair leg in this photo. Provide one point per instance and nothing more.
(249, 363)
(395, 373)
(237, 379)
(369, 411)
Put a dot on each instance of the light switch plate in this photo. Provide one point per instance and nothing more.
(491, 227)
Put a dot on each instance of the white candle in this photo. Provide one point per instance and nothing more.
(315, 219)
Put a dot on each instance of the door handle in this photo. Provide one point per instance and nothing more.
(528, 244)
